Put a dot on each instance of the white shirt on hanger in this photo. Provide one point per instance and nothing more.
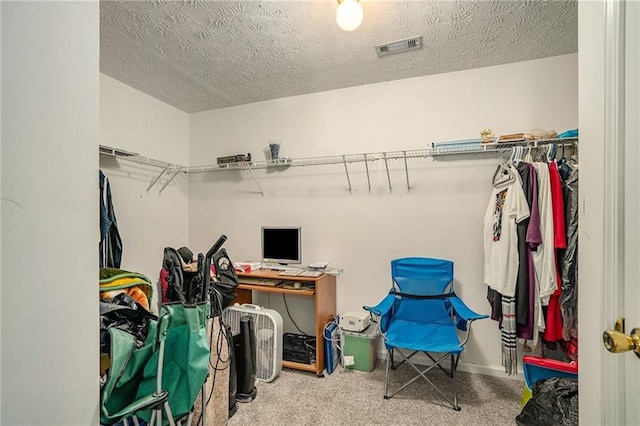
(507, 207)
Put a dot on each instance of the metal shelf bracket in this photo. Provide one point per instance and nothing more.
(366, 166)
(346, 170)
(256, 181)
(386, 166)
(153, 182)
(168, 181)
(406, 170)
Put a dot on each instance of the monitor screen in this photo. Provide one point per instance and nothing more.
(282, 245)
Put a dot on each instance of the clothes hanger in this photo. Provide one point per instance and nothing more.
(528, 158)
(503, 173)
(520, 154)
(512, 156)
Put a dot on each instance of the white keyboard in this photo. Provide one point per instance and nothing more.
(300, 273)
(258, 281)
(291, 272)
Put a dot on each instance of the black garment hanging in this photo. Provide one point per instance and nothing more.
(110, 242)
(569, 259)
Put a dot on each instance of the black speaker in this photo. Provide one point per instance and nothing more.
(233, 380)
(245, 353)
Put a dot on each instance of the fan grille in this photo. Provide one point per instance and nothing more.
(268, 362)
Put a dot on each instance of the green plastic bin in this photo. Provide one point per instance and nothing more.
(363, 347)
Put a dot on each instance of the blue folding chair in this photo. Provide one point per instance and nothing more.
(422, 314)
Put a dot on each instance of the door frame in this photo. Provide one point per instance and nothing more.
(601, 262)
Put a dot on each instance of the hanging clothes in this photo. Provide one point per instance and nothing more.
(506, 208)
(538, 303)
(543, 257)
(528, 240)
(553, 321)
(569, 259)
(110, 242)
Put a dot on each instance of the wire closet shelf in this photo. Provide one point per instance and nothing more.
(435, 150)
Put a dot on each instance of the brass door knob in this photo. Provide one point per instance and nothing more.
(617, 342)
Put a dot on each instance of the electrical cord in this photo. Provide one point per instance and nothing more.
(222, 338)
(338, 341)
(340, 338)
(291, 318)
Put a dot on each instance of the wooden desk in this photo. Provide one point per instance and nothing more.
(324, 294)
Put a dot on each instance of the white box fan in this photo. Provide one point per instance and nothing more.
(268, 330)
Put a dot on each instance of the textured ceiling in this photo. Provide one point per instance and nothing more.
(201, 55)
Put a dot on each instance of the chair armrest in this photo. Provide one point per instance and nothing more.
(382, 308)
(464, 313)
(143, 404)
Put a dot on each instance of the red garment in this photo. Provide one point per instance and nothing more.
(570, 348)
(163, 280)
(557, 205)
(553, 321)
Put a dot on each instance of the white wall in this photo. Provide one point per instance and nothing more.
(148, 221)
(362, 231)
(592, 132)
(50, 57)
(1, 227)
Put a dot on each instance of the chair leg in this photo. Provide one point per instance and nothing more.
(386, 374)
(393, 366)
(167, 410)
(454, 367)
(422, 373)
(437, 363)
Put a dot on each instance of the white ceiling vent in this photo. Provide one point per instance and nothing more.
(404, 45)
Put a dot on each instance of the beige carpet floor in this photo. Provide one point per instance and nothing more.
(350, 397)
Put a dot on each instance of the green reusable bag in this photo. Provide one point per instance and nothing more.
(186, 358)
(127, 363)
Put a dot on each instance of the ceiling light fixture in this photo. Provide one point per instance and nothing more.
(349, 14)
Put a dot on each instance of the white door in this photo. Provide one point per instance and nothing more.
(609, 258)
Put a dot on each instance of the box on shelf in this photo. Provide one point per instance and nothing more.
(363, 347)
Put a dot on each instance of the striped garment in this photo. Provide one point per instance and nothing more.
(509, 356)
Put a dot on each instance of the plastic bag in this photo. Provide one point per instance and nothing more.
(554, 402)
(126, 314)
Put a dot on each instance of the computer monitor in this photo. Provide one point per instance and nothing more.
(282, 244)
